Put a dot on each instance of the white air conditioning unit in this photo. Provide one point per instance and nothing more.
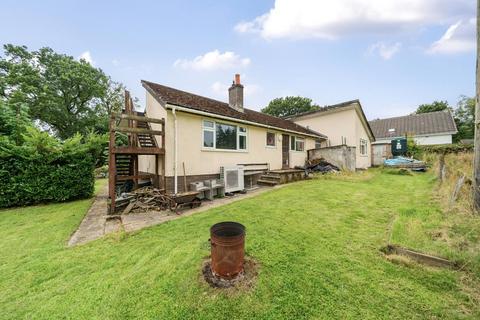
(233, 178)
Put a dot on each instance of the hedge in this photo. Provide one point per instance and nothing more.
(38, 168)
(446, 148)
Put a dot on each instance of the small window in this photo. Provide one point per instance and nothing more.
(208, 134)
(270, 139)
(242, 138)
(363, 147)
(297, 144)
(318, 143)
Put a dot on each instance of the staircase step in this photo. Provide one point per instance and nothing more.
(270, 177)
(267, 182)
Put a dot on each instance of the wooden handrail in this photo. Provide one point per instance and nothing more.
(138, 130)
(139, 118)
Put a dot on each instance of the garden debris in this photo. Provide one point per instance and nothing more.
(321, 165)
(144, 199)
(407, 163)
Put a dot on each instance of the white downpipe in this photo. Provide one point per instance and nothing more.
(175, 152)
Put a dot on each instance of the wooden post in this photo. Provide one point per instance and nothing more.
(441, 167)
(476, 158)
(111, 167)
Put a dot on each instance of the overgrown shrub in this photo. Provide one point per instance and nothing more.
(37, 168)
(446, 148)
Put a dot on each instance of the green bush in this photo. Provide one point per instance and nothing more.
(446, 148)
(37, 168)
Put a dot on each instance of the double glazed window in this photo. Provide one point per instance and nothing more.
(297, 143)
(223, 136)
(270, 139)
(363, 147)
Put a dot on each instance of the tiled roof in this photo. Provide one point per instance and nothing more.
(416, 124)
(196, 102)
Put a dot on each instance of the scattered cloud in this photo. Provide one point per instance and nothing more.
(459, 37)
(384, 50)
(213, 60)
(333, 19)
(87, 57)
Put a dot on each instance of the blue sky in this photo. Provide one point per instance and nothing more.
(390, 54)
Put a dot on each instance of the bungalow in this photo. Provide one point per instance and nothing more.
(346, 126)
(202, 135)
(426, 128)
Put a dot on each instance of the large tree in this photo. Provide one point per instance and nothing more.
(64, 95)
(465, 118)
(289, 106)
(432, 107)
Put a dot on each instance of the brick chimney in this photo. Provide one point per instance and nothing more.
(235, 94)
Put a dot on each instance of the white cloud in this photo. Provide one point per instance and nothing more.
(332, 19)
(384, 50)
(213, 60)
(87, 57)
(459, 37)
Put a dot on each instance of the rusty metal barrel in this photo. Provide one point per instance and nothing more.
(227, 241)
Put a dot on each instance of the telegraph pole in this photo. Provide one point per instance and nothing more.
(476, 159)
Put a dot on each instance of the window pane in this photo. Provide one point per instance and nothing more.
(270, 139)
(318, 144)
(299, 144)
(226, 136)
(242, 129)
(292, 144)
(208, 139)
(208, 124)
(242, 141)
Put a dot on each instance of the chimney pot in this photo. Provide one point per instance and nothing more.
(237, 79)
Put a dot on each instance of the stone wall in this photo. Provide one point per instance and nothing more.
(342, 156)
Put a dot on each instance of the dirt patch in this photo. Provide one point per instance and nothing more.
(244, 281)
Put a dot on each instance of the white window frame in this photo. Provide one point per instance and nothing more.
(242, 134)
(294, 139)
(214, 131)
(274, 140)
(318, 143)
(364, 143)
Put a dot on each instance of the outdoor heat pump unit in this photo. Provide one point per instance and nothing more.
(233, 178)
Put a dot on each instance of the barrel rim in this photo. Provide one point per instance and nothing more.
(235, 224)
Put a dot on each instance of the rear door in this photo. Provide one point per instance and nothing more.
(285, 151)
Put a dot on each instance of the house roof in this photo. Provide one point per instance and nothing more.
(195, 102)
(339, 107)
(417, 124)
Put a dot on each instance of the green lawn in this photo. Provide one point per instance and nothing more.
(317, 243)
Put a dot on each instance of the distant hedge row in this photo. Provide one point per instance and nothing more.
(446, 148)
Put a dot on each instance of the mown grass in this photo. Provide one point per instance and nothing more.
(317, 243)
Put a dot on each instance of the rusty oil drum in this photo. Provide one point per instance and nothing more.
(227, 241)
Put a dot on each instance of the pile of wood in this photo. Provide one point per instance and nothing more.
(144, 199)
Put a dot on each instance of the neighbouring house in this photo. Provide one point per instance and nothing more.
(347, 130)
(426, 128)
(202, 135)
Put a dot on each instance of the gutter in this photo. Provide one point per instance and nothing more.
(213, 115)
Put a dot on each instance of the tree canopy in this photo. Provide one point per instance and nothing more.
(62, 94)
(465, 118)
(432, 107)
(289, 106)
